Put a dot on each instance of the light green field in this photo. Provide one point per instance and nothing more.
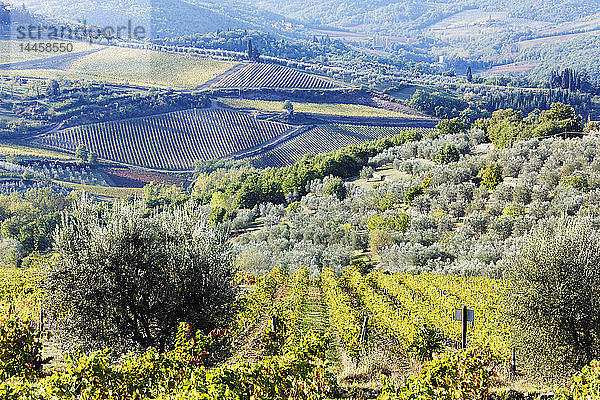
(346, 110)
(15, 150)
(10, 51)
(134, 66)
(387, 173)
(150, 68)
(105, 191)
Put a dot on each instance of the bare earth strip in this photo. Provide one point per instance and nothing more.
(61, 62)
(249, 349)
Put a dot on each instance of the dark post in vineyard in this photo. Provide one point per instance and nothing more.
(464, 315)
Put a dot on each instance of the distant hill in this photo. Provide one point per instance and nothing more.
(163, 18)
(388, 16)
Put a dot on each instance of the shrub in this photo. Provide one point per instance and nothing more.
(135, 376)
(584, 385)
(11, 252)
(336, 188)
(412, 193)
(447, 154)
(426, 343)
(491, 175)
(579, 182)
(366, 172)
(20, 349)
(396, 222)
(379, 239)
(591, 126)
(451, 126)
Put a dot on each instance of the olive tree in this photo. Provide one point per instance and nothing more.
(125, 276)
(554, 297)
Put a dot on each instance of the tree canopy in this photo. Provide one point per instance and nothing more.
(126, 276)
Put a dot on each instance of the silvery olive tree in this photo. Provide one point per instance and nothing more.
(554, 297)
(125, 276)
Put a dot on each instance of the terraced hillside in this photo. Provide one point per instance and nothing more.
(271, 76)
(173, 141)
(324, 139)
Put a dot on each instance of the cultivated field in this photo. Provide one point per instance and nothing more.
(133, 66)
(269, 76)
(473, 23)
(323, 139)
(348, 110)
(151, 68)
(540, 42)
(398, 306)
(11, 52)
(173, 141)
(25, 151)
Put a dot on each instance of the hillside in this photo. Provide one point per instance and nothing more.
(174, 141)
(301, 200)
(325, 139)
(116, 65)
(387, 17)
(160, 19)
(269, 76)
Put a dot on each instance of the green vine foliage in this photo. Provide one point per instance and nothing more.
(20, 349)
(301, 372)
(465, 375)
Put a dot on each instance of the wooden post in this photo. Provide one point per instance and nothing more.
(513, 366)
(42, 319)
(464, 327)
(363, 334)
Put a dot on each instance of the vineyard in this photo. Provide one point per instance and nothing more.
(270, 76)
(20, 291)
(396, 307)
(324, 139)
(319, 331)
(174, 141)
(123, 66)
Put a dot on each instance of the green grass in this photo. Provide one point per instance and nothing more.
(406, 92)
(314, 312)
(151, 68)
(347, 110)
(105, 191)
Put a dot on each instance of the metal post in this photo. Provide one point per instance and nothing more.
(363, 332)
(464, 327)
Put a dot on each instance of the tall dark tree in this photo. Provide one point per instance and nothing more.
(250, 50)
(469, 74)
